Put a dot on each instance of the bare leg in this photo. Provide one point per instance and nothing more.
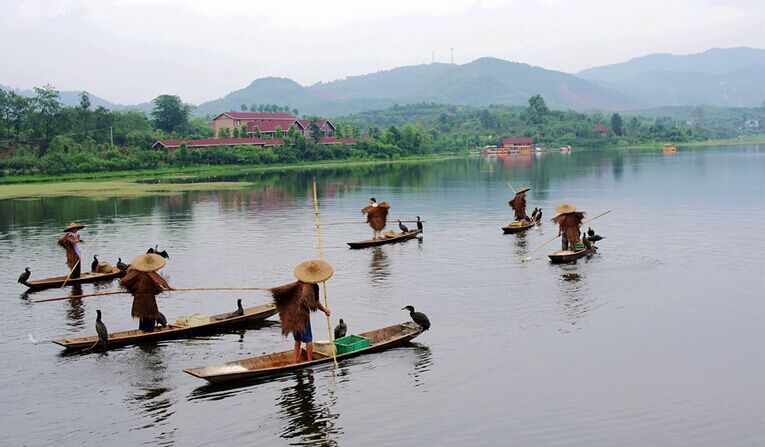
(309, 350)
(296, 356)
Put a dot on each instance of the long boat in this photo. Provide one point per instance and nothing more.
(217, 322)
(279, 362)
(517, 226)
(60, 281)
(565, 256)
(399, 237)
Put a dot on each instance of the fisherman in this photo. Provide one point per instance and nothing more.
(569, 220)
(73, 245)
(377, 215)
(143, 281)
(518, 204)
(295, 302)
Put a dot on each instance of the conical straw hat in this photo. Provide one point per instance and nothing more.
(524, 189)
(565, 208)
(313, 271)
(148, 262)
(73, 227)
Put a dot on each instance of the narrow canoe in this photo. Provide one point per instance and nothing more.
(400, 237)
(517, 226)
(279, 362)
(58, 281)
(564, 256)
(217, 322)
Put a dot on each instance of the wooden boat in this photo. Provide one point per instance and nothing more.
(279, 362)
(399, 237)
(565, 256)
(85, 277)
(517, 226)
(669, 149)
(217, 322)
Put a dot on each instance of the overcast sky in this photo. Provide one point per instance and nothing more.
(130, 51)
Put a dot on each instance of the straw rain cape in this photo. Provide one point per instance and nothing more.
(569, 224)
(518, 204)
(68, 240)
(295, 302)
(377, 215)
(144, 286)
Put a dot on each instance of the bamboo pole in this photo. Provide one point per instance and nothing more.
(511, 188)
(81, 254)
(118, 292)
(323, 283)
(353, 222)
(550, 240)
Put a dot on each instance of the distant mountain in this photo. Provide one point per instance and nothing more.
(479, 83)
(732, 77)
(72, 98)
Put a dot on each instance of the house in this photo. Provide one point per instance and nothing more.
(231, 120)
(267, 128)
(327, 128)
(267, 123)
(517, 144)
(600, 128)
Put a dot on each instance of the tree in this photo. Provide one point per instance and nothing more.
(243, 131)
(537, 110)
(224, 133)
(617, 125)
(256, 132)
(374, 132)
(278, 133)
(295, 111)
(45, 106)
(84, 100)
(170, 113)
(315, 131)
(243, 107)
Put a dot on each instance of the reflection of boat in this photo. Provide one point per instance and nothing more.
(565, 149)
(517, 226)
(170, 331)
(58, 281)
(564, 256)
(278, 362)
(669, 149)
(399, 237)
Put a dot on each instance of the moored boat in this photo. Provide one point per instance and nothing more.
(279, 362)
(565, 256)
(399, 237)
(216, 322)
(669, 149)
(517, 226)
(60, 281)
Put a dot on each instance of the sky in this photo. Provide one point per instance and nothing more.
(130, 51)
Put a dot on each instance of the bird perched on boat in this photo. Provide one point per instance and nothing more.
(592, 236)
(534, 214)
(341, 329)
(539, 215)
(239, 310)
(103, 334)
(25, 276)
(161, 319)
(586, 242)
(419, 223)
(402, 227)
(121, 265)
(94, 264)
(156, 251)
(418, 317)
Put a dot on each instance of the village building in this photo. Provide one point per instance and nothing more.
(517, 144)
(267, 124)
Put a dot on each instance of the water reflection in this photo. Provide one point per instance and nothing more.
(307, 420)
(151, 398)
(75, 312)
(521, 244)
(422, 364)
(379, 266)
(575, 301)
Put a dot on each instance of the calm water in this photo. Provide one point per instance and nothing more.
(657, 340)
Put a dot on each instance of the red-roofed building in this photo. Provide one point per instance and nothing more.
(268, 127)
(518, 144)
(601, 128)
(327, 128)
(267, 123)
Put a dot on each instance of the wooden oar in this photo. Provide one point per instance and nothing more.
(83, 252)
(118, 292)
(323, 283)
(550, 240)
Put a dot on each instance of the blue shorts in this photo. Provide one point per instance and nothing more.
(304, 335)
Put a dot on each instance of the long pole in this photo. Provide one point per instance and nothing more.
(119, 292)
(550, 240)
(83, 252)
(323, 283)
(511, 188)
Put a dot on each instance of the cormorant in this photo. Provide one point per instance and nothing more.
(534, 214)
(418, 317)
(25, 276)
(162, 320)
(596, 238)
(586, 241)
(239, 310)
(539, 215)
(94, 264)
(590, 231)
(341, 329)
(121, 265)
(156, 251)
(403, 227)
(419, 223)
(103, 334)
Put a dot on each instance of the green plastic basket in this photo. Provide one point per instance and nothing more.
(351, 343)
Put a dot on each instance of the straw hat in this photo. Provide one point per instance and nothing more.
(313, 271)
(565, 208)
(524, 189)
(73, 227)
(148, 262)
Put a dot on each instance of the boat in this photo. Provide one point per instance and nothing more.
(399, 237)
(134, 337)
(669, 149)
(61, 281)
(518, 226)
(565, 149)
(566, 256)
(280, 362)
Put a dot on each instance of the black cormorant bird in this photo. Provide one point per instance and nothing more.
(593, 237)
(419, 223)
(94, 264)
(341, 329)
(239, 310)
(539, 215)
(162, 320)
(103, 334)
(25, 276)
(418, 317)
(156, 251)
(590, 231)
(402, 227)
(586, 241)
(121, 265)
(534, 214)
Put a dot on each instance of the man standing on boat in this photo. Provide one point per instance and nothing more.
(143, 281)
(73, 246)
(295, 302)
(569, 220)
(518, 204)
(377, 216)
